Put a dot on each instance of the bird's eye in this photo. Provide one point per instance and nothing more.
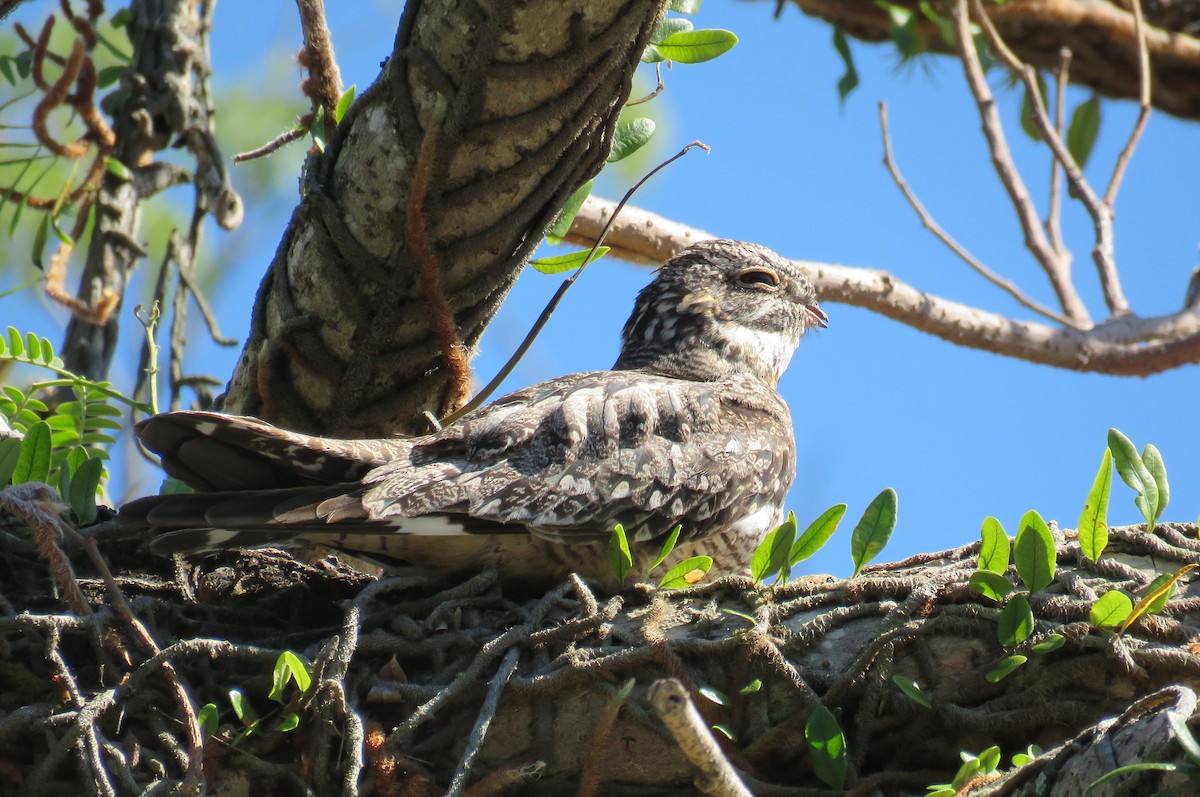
(758, 276)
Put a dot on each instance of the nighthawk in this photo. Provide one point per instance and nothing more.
(686, 428)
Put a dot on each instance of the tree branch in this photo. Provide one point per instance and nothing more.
(1126, 346)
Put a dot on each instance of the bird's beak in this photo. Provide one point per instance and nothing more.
(818, 315)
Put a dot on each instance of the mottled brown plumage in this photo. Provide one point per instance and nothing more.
(687, 428)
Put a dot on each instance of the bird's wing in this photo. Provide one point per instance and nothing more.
(571, 457)
(211, 452)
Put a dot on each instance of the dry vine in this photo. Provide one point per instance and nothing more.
(421, 685)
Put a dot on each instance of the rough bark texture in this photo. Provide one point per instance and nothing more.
(1100, 35)
(485, 119)
(411, 672)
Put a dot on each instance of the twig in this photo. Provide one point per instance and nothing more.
(1004, 284)
(658, 89)
(486, 714)
(1100, 212)
(676, 710)
(491, 386)
(324, 84)
(1139, 26)
(1054, 215)
(1002, 160)
(280, 141)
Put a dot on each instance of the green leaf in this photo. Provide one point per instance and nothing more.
(317, 128)
(817, 534)
(630, 136)
(10, 454)
(1129, 769)
(173, 486)
(944, 26)
(208, 720)
(995, 550)
(109, 75)
(724, 731)
(670, 26)
(117, 169)
(911, 688)
(562, 222)
(1158, 471)
(289, 722)
(874, 529)
(651, 55)
(1112, 609)
(242, 708)
(848, 82)
(1015, 623)
(752, 687)
(685, 6)
(1005, 668)
(568, 262)
(827, 746)
(40, 236)
(7, 70)
(82, 495)
(696, 46)
(1157, 595)
(989, 759)
(990, 585)
(770, 558)
(903, 27)
(343, 104)
(686, 573)
(713, 695)
(1025, 756)
(1082, 132)
(1093, 522)
(619, 559)
(34, 463)
(16, 344)
(1051, 643)
(1028, 124)
(1034, 552)
(667, 546)
(289, 667)
(1133, 472)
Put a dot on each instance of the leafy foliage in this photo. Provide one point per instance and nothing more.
(874, 529)
(1145, 473)
(827, 746)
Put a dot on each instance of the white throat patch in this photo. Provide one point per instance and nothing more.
(768, 352)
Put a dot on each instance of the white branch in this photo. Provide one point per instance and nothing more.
(1124, 346)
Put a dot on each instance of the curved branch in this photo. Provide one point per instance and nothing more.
(1126, 346)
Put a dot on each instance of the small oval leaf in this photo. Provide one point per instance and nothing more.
(1093, 522)
(827, 746)
(990, 585)
(696, 46)
(874, 529)
(1034, 552)
(817, 534)
(1015, 623)
(995, 551)
(1111, 609)
(686, 573)
(1005, 668)
(911, 688)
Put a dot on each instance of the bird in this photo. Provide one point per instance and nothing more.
(686, 429)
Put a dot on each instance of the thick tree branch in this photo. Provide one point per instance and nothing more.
(1102, 35)
(496, 128)
(1126, 346)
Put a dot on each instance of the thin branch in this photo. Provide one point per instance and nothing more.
(1126, 346)
(657, 90)
(930, 224)
(1101, 213)
(1135, 135)
(486, 714)
(324, 84)
(1035, 238)
(1054, 216)
(281, 140)
(676, 710)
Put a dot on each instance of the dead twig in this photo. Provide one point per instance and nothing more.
(716, 776)
(487, 713)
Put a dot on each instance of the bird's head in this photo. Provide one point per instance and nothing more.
(720, 307)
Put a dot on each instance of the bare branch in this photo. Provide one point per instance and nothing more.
(1100, 212)
(1126, 346)
(1035, 238)
(673, 706)
(1054, 216)
(930, 224)
(1114, 184)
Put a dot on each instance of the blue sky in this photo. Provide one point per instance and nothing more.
(959, 433)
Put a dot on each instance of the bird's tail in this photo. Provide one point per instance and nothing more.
(210, 452)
